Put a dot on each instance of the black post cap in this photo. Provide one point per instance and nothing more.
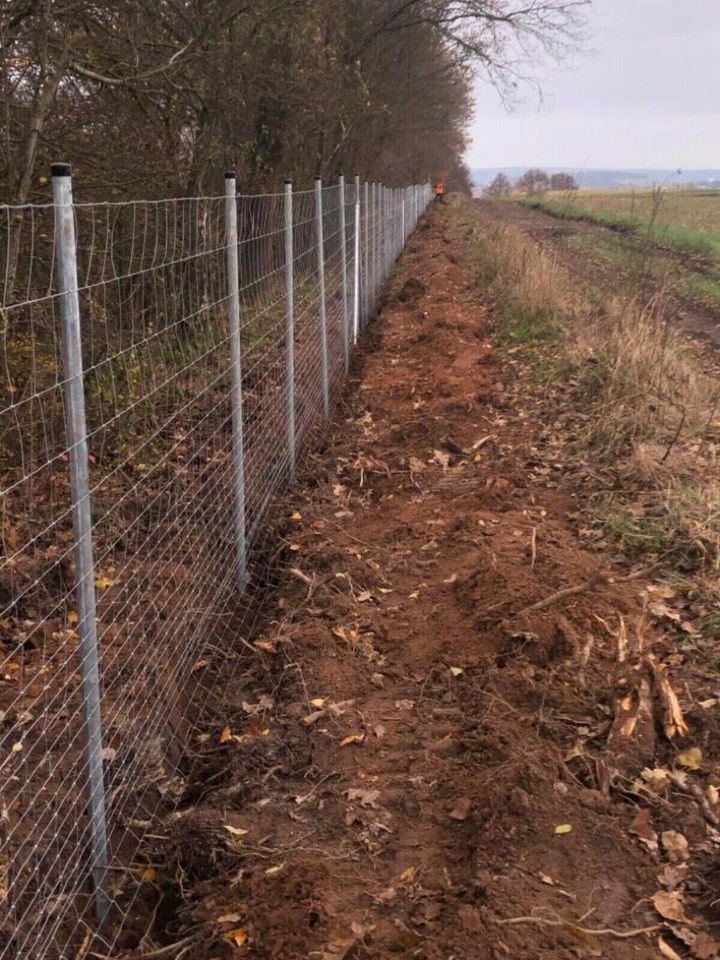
(231, 175)
(288, 183)
(60, 170)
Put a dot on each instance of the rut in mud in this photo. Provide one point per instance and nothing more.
(428, 735)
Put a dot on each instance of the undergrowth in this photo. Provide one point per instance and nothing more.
(648, 402)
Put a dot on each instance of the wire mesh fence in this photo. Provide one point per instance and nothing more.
(163, 367)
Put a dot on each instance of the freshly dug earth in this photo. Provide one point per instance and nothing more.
(417, 763)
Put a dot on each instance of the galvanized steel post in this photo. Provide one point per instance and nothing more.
(66, 256)
(356, 263)
(289, 327)
(320, 239)
(343, 261)
(233, 279)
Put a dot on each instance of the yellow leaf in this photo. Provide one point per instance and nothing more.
(72, 618)
(353, 738)
(103, 582)
(407, 876)
(271, 871)
(235, 831)
(563, 828)
(691, 758)
(296, 515)
(17, 747)
(237, 936)
(318, 702)
(226, 735)
(148, 875)
(456, 671)
(265, 732)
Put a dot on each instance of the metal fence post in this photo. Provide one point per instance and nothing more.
(343, 259)
(66, 255)
(231, 245)
(366, 253)
(320, 239)
(374, 227)
(289, 326)
(356, 263)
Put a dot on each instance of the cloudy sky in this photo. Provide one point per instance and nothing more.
(646, 93)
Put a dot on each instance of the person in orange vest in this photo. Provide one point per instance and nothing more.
(439, 190)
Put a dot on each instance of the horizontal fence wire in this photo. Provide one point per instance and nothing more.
(163, 406)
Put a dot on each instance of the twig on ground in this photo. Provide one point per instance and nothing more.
(600, 932)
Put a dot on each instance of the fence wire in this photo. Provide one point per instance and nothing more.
(177, 427)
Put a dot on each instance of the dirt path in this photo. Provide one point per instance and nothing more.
(417, 764)
(623, 268)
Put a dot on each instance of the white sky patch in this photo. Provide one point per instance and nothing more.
(645, 94)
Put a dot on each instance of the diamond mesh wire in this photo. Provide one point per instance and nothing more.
(153, 295)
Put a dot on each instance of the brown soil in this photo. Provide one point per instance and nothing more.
(411, 734)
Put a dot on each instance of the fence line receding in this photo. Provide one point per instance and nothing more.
(163, 365)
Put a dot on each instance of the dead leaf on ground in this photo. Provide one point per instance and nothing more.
(705, 947)
(352, 738)
(366, 798)
(670, 905)
(461, 809)
(642, 828)
(675, 845)
(691, 758)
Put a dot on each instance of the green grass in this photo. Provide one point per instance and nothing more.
(674, 236)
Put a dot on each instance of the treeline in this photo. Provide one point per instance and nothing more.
(533, 181)
(158, 97)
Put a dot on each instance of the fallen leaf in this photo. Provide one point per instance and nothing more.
(669, 904)
(705, 947)
(318, 702)
(237, 936)
(675, 845)
(364, 596)
(673, 875)
(226, 735)
(713, 795)
(296, 515)
(642, 828)
(705, 704)
(563, 828)
(461, 809)
(439, 456)
(271, 871)
(353, 738)
(546, 879)
(103, 582)
(408, 875)
(228, 918)
(72, 618)
(667, 951)
(367, 798)
(235, 831)
(17, 747)
(148, 875)
(691, 758)
(456, 671)
(404, 704)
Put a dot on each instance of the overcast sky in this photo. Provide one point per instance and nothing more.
(645, 94)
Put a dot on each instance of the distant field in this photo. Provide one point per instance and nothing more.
(692, 209)
(687, 220)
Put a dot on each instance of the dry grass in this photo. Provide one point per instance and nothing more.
(651, 399)
(690, 209)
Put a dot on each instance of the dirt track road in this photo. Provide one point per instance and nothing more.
(578, 245)
(421, 767)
